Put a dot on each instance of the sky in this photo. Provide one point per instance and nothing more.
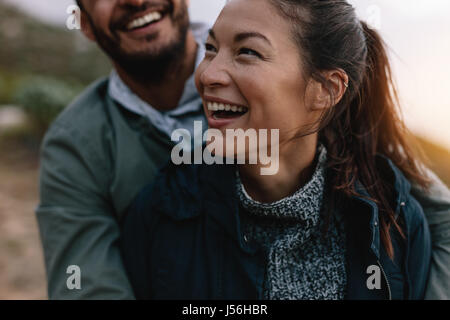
(418, 35)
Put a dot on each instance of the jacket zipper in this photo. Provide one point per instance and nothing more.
(385, 278)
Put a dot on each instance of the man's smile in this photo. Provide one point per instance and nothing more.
(145, 20)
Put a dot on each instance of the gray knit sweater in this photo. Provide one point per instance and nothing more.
(302, 262)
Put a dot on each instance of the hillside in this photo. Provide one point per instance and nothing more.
(29, 46)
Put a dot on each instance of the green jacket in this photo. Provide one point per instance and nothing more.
(95, 158)
(436, 205)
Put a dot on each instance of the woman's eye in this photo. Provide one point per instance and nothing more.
(210, 48)
(249, 52)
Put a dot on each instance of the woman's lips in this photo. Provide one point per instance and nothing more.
(217, 123)
(221, 113)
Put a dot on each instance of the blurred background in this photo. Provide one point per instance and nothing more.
(44, 65)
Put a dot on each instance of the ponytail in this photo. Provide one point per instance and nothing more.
(369, 125)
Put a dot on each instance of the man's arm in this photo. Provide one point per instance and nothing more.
(76, 220)
(436, 205)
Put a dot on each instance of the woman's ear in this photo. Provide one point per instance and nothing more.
(321, 96)
(86, 27)
(338, 80)
(318, 98)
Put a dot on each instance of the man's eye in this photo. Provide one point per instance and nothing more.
(249, 52)
(209, 47)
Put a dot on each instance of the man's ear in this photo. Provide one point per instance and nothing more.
(322, 96)
(86, 26)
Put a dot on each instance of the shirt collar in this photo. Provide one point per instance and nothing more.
(190, 100)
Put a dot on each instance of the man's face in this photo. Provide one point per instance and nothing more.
(136, 31)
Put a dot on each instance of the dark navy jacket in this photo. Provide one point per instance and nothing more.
(181, 239)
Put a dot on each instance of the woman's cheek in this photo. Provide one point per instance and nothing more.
(198, 76)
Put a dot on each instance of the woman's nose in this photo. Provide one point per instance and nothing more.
(215, 74)
(134, 3)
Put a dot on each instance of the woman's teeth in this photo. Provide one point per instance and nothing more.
(214, 106)
(142, 21)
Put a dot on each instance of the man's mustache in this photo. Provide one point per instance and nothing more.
(131, 12)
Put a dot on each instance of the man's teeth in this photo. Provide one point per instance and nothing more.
(214, 106)
(142, 21)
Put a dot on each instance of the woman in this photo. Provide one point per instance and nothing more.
(337, 220)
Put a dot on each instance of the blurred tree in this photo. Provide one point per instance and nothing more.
(43, 98)
(30, 46)
(8, 84)
(3, 91)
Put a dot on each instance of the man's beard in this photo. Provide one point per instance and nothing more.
(151, 66)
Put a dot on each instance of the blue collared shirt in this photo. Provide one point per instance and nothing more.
(189, 107)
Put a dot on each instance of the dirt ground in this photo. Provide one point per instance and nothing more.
(22, 273)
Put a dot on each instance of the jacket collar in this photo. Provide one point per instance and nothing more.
(177, 192)
(188, 190)
(220, 199)
(402, 188)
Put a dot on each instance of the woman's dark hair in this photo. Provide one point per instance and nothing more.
(366, 121)
(79, 4)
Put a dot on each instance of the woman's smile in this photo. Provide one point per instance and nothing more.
(221, 112)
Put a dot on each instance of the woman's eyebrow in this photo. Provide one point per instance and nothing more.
(243, 35)
(212, 34)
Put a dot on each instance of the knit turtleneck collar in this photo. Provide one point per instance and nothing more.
(302, 263)
(304, 204)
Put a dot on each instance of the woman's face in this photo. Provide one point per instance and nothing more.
(252, 65)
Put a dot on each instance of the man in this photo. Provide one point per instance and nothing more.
(110, 142)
